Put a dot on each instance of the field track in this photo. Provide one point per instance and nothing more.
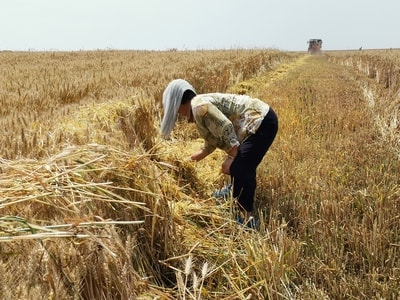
(338, 170)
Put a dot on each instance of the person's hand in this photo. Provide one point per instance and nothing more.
(199, 155)
(226, 165)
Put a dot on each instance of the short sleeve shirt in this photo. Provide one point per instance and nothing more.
(226, 120)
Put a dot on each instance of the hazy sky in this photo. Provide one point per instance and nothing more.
(201, 24)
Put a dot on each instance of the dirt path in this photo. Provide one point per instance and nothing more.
(324, 173)
(326, 120)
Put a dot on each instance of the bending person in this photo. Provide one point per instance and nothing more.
(242, 126)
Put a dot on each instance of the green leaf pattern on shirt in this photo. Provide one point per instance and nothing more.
(225, 120)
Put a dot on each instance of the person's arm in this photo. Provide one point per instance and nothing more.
(216, 129)
(232, 152)
(220, 128)
(199, 155)
(226, 165)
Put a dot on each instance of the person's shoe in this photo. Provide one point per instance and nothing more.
(251, 223)
(223, 193)
(239, 220)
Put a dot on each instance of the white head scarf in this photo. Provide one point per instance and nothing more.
(172, 98)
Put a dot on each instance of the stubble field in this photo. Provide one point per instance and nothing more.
(95, 205)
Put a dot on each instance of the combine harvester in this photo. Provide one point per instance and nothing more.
(314, 46)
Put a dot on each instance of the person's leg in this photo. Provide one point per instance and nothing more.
(244, 184)
(250, 154)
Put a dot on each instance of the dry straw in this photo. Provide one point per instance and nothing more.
(86, 193)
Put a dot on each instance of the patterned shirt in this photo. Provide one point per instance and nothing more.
(226, 120)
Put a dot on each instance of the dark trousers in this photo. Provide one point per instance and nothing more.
(250, 154)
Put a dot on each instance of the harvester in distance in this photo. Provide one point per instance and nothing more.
(314, 46)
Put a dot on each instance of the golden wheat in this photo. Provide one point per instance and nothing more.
(96, 206)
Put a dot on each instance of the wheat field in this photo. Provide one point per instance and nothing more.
(95, 205)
